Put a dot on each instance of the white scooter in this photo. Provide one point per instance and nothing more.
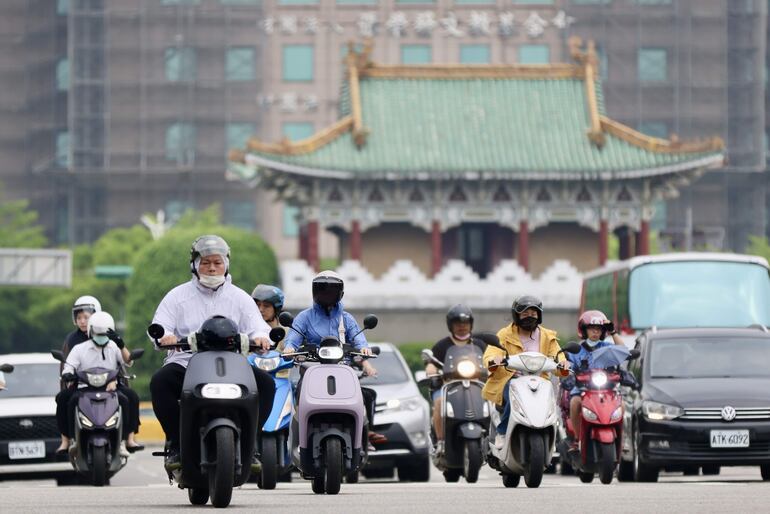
(529, 440)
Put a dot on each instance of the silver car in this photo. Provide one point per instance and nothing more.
(403, 416)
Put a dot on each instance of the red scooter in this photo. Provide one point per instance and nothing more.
(601, 420)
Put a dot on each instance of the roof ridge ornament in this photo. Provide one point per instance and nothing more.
(590, 63)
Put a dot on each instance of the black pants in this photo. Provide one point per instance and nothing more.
(133, 407)
(166, 388)
(67, 400)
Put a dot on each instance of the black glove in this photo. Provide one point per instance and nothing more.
(68, 379)
(610, 328)
(116, 338)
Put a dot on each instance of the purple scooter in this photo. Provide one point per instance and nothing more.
(329, 426)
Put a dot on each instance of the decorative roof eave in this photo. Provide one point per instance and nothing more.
(654, 144)
(709, 161)
(473, 71)
(304, 146)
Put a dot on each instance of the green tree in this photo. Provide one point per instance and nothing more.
(759, 246)
(19, 227)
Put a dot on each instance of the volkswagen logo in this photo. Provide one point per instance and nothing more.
(728, 413)
(26, 423)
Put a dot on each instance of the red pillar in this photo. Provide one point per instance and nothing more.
(312, 244)
(603, 242)
(643, 239)
(355, 240)
(524, 244)
(435, 246)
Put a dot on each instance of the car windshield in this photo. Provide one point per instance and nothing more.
(697, 294)
(389, 370)
(709, 358)
(31, 380)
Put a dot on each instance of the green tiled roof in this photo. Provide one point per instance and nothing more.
(499, 126)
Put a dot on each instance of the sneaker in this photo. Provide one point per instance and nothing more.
(123, 450)
(172, 462)
(499, 441)
(574, 448)
(439, 448)
(256, 465)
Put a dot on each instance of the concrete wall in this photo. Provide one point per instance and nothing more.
(568, 241)
(387, 243)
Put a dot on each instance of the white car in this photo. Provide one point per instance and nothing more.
(28, 432)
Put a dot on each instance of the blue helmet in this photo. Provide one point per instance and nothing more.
(270, 294)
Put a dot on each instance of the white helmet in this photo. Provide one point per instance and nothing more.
(100, 323)
(85, 303)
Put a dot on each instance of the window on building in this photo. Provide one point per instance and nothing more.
(298, 63)
(180, 143)
(653, 64)
(180, 64)
(415, 1)
(241, 2)
(62, 7)
(63, 75)
(297, 2)
(468, 2)
(297, 130)
(241, 214)
(178, 2)
(240, 63)
(290, 221)
(63, 149)
(416, 54)
(590, 2)
(653, 2)
(176, 208)
(533, 2)
(238, 134)
(534, 54)
(475, 54)
(654, 129)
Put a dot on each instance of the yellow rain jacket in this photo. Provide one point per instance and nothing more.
(509, 339)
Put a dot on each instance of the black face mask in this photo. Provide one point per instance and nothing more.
(528, 323)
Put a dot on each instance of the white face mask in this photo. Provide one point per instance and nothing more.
(592, 343)
(211, 281)
(100, 339)
(462, 338)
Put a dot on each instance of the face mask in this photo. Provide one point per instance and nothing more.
(528, 323)
(590, 344)
(211, 281)
(100, 339)
(462, 338)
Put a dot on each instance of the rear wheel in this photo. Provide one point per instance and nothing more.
(319, 484)
(452, 475)
(99, 465)
(565, 468)
(222, 474)
(586, 477)
(625, 471)
(333, 458)
(642, 472)
(606, 462)
(765, 470)
(533, 471)
(711, 469)
(472, 460)
(269, 474)
(198, 496)
(511, 480)
(420, 471)
(352, 477)
(691, 471)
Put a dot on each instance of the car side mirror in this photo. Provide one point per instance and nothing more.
(6, 368)
(370, 321)
(286, 319)
(136, 353)
(156, 331)
(58, 355)
(571, 347)
(277, 334)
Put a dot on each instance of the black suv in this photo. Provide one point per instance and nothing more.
(704, 402)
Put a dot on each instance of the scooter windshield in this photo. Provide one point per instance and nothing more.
(464, 363)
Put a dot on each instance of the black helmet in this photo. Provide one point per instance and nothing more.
(219, 332)
(459, 313)
(328, 289)
(205, 246)
(525, 302)
(269, 294)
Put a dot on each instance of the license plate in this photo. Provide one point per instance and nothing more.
(729, 438)
(26, 450)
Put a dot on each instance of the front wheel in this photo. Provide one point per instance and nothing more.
(269, 474)
(586, 477)
(222, 476)
(319, 484)
(452, 475)
(352, 477)
(334, 465)
(511, 480)
(420, 470)
(711, 469)
(642, 472)
(606, 462)
(765, 470)
(99, 465)
(533, 471)
(198, 496)
(472, 460)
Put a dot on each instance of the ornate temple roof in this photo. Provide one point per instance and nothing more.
(452, 121)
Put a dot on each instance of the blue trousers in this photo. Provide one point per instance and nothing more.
(503, 426)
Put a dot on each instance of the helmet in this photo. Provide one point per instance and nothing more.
(205, 246)
(270, 294)
(458, 313)
(328, 288)
(219, 332)
(100, 323)
(525, 302)
(589, 318)
(85, 303)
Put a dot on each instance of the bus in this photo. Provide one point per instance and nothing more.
(681, 290)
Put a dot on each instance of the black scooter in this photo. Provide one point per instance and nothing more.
(218, 419)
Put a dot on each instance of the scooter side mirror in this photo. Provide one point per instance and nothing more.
(426, 355)
(489, 339)
(156, 331)
(634, 354)
(6, 368)
(58, 355)
(137, 353)
(420, 376)
(370, 321)
(277, 334)
(286, 319)
(571, 347)
(375, 350)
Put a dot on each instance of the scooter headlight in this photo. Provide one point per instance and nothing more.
(84, 420)
(599, 379)
(466, 369)
(268, 364)
(113, 420)
(97, 379)
(589, 414)
(221, 391)
(532, 362)
(332, 353)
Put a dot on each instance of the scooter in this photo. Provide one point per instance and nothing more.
(95, 452)
(531, 433)
(601, 421)
(5, 368)
(273, 445)
(218, 418)
(465, 414)
(329, 430)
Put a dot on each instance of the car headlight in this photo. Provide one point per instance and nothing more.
(221, 391)
(589, 414)
(97, 379)
(599, 378)
(403, 404)
(113, 420)
(532, 362)
(616, 414)
(332, 353)
(660, 411)
(84, 420)
(466, 368)
(267, 364)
